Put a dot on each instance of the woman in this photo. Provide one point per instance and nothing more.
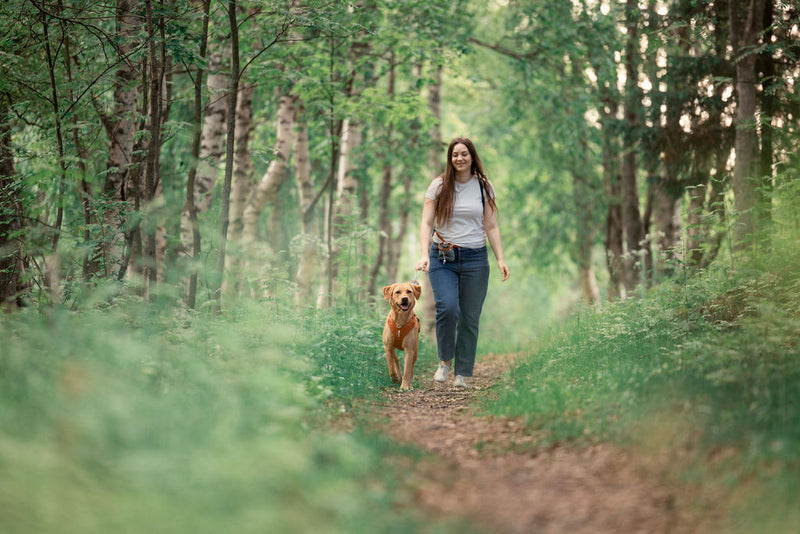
(458, 215)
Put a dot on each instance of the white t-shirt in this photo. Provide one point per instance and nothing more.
(465, 227)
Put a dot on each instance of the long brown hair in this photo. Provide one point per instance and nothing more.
(444, 203)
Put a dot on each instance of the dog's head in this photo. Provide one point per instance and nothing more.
(402, 296)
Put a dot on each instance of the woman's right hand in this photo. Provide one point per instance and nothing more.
(423, 264)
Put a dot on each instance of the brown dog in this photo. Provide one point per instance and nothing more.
(401, 330)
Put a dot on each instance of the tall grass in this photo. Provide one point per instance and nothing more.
(708, 365)
(133, 419)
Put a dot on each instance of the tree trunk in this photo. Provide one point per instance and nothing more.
(276, 238)
(346, 181)
(769, 101)
(121, 128)
(90, 265)
(51, 261)
(344, 207)
(325, 292)
(266, 190)
(435, 159)
(695, 235)
(189, 218)
(384, 228)
(631, 216)
(211, 147)
(230, 136)
(707, 217)
(164, 255)
(582, 200)
(59, 133)
(435, 132)
(152, 164)
(666, 221)
(584, 206)
(214, 125)
(404, 209)
(745, 22)
(384, 221)
(674, 152)
(243, 162)
(12, 265)
(716, 207)
(613, 242)
(242, 180)
(614, 252)
(308, 253)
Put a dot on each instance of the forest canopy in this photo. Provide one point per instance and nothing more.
(198, 150)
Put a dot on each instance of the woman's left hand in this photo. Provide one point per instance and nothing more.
(504, 269)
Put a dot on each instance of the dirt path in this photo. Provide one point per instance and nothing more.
(471, 474)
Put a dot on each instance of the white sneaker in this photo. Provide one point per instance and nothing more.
(442, 372)
(460, 382)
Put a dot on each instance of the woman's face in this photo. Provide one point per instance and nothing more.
(461, 158)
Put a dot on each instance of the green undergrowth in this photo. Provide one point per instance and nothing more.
(134, 419)
(348, 356)
(706, 367)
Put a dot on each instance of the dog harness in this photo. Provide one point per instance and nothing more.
(401, 333)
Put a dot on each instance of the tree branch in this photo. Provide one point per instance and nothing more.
(506, 51)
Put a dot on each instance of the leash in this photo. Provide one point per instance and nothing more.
(416, 278)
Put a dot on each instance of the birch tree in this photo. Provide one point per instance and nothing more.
(267, 188)
(191, 243)
(211, 144)
(243, 163)
(121, 127)
(309, 244)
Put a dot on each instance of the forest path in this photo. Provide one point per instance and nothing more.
(477, 470)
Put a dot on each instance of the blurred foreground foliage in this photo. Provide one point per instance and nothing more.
(703, 368)
(127, 418)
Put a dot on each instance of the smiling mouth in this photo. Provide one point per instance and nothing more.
(404, 305)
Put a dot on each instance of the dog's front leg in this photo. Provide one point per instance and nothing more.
(408, 367)
(391, 354)
(393, 363)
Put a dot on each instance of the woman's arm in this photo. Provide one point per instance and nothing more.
(492, 230)
(425, 232)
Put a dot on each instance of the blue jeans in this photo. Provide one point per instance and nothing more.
(459, 289)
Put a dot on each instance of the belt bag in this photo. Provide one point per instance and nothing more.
(446, 252)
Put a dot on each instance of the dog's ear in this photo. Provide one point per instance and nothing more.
(417, 289)
(387, 292)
